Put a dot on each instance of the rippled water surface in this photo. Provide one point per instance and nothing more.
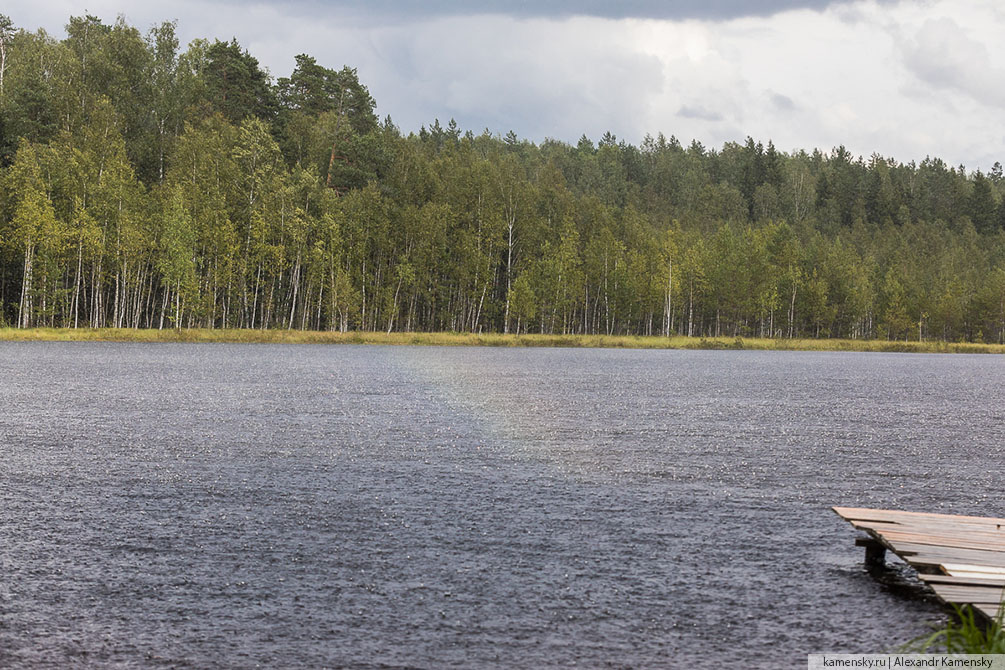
(352, 506)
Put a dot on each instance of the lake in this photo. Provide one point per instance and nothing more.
(173, 505)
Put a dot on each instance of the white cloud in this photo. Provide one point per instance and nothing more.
(943, 55)
(905, 79)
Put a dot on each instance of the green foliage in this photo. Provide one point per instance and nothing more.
(314, 90)
(235, 85)
(963, 633)
(176, 245)
(144, 187)
(981, 205)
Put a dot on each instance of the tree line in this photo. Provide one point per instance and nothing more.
(142, 186)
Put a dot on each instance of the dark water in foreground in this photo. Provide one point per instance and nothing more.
(283, 506)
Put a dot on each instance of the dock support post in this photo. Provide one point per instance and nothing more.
(875, 552)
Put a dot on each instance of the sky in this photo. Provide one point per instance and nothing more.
(902, 79)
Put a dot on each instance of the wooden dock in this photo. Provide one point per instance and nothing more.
(962, 558)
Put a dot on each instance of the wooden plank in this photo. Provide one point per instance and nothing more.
(990, 611)
(927, 552)
(956, 593)
(958, 541)
(954, 579)
(993, 534)
(864, 513)
(991, 529)
(997, 539)
(986, 533)
(973, 570)
(892, 516)
(991, 538)
(962, 522)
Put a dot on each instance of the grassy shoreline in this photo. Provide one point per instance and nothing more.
(488, 339)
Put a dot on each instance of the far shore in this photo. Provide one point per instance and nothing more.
(208, 335)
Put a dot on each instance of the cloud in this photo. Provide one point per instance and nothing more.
(943, 55)
(782, 102)
(534, 76)
(674, 10)
(698, 112)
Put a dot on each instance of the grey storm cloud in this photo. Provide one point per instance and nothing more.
(493, 78)
(783, 102)
(698, 112)
(397, 10)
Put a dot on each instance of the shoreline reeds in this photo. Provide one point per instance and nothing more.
(206, 335)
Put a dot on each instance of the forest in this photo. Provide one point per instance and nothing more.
(146, 186)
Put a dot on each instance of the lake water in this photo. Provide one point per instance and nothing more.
(223, 506)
